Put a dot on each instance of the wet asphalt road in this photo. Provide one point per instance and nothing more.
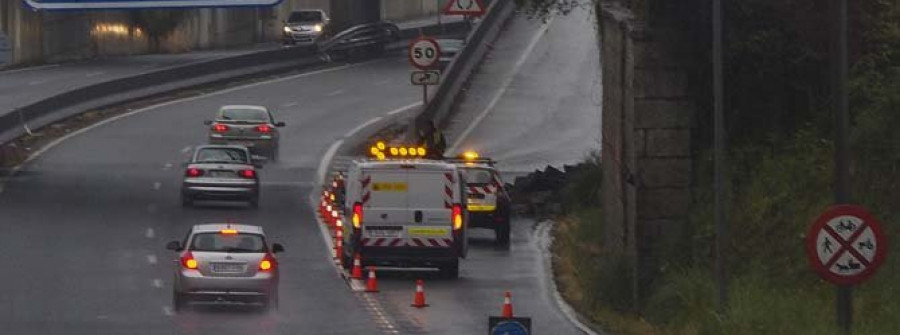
(84, 226)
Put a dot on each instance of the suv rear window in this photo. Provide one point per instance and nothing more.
(222, 155)
(478, 176)
(251, 115)
(236, 243)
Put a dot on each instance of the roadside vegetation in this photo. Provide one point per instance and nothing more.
(779, 112)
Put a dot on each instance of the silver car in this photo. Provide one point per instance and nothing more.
(251, 126)
(221, 172)
(306, 27)
(225, 263)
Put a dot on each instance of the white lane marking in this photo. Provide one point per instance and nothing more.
(167, 311)
(94, 74)
(503, 88)
(186, 149)
(357, 285)
(36, 82)
(290, 104)
(150, 233)
(362, 126)
(167, 167)
(404, 109)
(157, 186)
(152, 259)
(336, 93)
(326, 160)
(157, 283)
(58, 141)
(544, 242)
(33, 68)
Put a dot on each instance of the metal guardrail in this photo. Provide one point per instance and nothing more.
(368, 35)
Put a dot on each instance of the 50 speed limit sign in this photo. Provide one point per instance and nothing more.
(424, 53)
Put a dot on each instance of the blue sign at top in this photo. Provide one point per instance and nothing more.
(143, 4)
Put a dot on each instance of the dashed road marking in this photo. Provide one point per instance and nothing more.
(150, 233)
(152, 259)
(157, 283)
(186, 149)
(167, 311)
(157, 186)
(167, 167)
(336, 93)
(290, 104)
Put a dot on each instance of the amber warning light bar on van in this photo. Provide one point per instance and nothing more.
(382, 151)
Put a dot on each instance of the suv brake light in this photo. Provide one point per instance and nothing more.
(267, 263)
(188, 261)
(357, 215)
(220, 128)
(456, 217)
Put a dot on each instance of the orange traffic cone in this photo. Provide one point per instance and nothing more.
(357, 267)
(507, 306)
(419, 299)
(339, 251)
(372, 283)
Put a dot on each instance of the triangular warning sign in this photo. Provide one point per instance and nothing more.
(465, 7)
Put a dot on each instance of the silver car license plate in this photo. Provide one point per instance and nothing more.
(227, 268)
(221, 174)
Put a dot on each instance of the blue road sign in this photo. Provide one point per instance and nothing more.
(143, 4)
(509, 326)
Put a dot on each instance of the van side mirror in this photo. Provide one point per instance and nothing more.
(277, 247)
(174, 246)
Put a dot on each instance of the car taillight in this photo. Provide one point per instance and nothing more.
(188, 261)
(193, 172)
(267, 263)
(264, 128)
(357, 215)
(249, 174)
(220, 128)
(456, 217)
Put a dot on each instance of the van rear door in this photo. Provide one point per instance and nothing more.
(431, 199)
(384, 195)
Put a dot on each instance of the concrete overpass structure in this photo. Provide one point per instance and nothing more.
(40, 37)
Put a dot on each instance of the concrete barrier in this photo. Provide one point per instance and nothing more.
(120, 91)
(478, 43)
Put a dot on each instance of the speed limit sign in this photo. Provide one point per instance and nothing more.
(424, 53)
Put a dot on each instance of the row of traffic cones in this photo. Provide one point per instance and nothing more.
(419, 297)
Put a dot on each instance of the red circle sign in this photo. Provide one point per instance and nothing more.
(424, 53)
(846, 245)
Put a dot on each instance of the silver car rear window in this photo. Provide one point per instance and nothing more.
(251, 115)
(236, 243)
(221, 155)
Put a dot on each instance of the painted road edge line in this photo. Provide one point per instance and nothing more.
(543, 239)
(504, 87)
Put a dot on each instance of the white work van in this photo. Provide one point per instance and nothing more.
(408, 213)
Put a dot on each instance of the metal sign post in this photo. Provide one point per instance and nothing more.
(846, 245)
(424, 54)
(425, 79)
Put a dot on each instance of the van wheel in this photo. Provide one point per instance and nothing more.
(450, 271)
(502, 235)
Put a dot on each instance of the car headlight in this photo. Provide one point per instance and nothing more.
(287, 29)
(317, 28)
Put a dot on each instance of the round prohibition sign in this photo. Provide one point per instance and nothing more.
(424, 53)
(846, 245)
